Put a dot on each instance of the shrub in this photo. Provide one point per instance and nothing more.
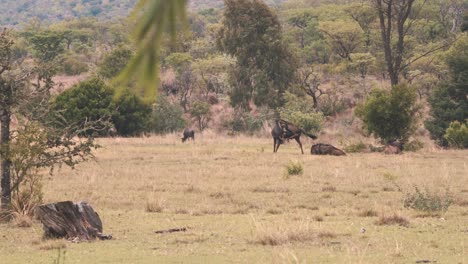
(448, 101)
(87, 101)
(457, 135)
(300, 112)
(390, 115)
(356, 147)
(200, 111)
(414, 145)
(166, 117)
(73, 65)
(132, 116)
(243, 121)
(294, 168)
(427, 201)
(92, 100)
(114, 62)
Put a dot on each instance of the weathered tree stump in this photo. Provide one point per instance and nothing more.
(74, 221)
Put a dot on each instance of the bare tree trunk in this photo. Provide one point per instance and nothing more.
(5, 118)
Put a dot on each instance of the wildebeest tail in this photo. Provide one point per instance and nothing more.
(309, 135)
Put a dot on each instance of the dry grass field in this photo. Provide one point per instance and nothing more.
(240, 205)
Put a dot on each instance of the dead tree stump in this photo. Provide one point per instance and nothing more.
(74, 221)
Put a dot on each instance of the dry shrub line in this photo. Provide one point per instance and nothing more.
(427, 201)
(394, 219)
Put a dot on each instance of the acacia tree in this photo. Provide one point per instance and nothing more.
(396, 19)
(251, 33)
(25, 91)
(343, 37)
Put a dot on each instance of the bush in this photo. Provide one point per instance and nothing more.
(200, 111)
(114, 62)
(294, 168)
(132, 116)
(166, 117)
(427, 201)
(243, 121)
(87, 101)
(356, 147)
(390, 115)
(92, 100)
(448, 101)
(457, 135)
(73, 65)
(414, 146)
(300, 112)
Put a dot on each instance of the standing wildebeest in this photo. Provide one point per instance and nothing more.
(188, 133)
(326, 149)
(286, 130)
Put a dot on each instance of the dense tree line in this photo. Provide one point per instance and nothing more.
(301, 60)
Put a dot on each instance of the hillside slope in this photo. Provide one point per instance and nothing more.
(17, 12)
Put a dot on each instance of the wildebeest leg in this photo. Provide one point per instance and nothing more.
(277, 143)
(298, 139)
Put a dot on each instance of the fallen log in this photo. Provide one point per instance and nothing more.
(73, 221)
(172, 230)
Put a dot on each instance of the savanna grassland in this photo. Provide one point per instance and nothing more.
(239, 204)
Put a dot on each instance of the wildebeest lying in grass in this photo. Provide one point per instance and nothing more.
(326, 149)
(188, 133)
(284, 130)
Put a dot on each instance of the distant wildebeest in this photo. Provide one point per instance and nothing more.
(326, 149)
(188, 133)
(112, 131)
(284, 130)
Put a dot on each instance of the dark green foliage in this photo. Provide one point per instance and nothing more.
(449, 101)
(358, 147)
(251, 32)
(132, 115)
(87, 101)
(73, 65)
(200, 111)
(244, 121)
(166, 117)
(390, 115)
(46, 45)
(92, 101)
(115, 62)
(414, 145)
(457, 135)
(427, 201)
(300, 111)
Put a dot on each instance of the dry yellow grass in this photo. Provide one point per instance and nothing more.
(232, 195)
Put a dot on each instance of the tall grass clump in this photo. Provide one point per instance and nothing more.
(294, 168)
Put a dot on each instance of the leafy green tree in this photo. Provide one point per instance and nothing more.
(25, 92)
(251, 33)
(114, 62)
(448, 101)
(73, 65)
(457, 134)
(344, 37)
(396, 22)
(88, 101)
(200, 111)
(132, 115)
(390, 115)
(166, 117)
(301, 111)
